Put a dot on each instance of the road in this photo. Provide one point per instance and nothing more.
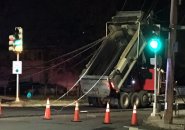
(91, 119)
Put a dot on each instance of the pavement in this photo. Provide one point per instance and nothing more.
(178, 122)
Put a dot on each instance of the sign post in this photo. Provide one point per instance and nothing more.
(17, 69)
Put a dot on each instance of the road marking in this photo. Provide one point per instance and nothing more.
(83, 111)
(132, 128)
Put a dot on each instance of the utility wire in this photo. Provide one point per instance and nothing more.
(79, 49)
(95, 42)
(94, 83)
(154, 3)
(143, 5)
(122, 8)
(75, 65)
(84, 73)
(28, 76)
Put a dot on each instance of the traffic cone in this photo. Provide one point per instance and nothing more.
(76, 113)
(134, 121)
(47, 115)
(107, 115)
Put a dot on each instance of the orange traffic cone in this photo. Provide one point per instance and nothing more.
(107, 115)
(134, 121)
(47, 115)
(76, 113)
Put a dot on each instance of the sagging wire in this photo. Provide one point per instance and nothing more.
(81, 61)
(154, 3)
(75, 83)
(64, 55)
(94, 58)
(79, 49)
(60, 63)
(122, 8)
(92, 86)
(143, 4)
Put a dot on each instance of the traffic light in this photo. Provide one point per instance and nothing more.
(11, 42)
(154, 38)
(155, 43)
(18, 39)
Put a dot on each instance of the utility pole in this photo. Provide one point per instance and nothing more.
(169, 95)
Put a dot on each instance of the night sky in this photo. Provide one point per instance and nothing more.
(70, 24)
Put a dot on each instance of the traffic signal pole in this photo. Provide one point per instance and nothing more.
(153, 114)
(169, 94)
(16, 45)
(17, 83)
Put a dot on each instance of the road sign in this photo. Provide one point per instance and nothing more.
(159, 61)
(17, 67)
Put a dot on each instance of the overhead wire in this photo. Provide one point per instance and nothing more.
(122, 8)
(81, 61)
(78, 79)
(143, 5)
(154, 3)
(84, 59)
(60, 63)
(83, 74)
(69, 53)
(92, 85)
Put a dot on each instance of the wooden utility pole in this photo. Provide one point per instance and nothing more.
(169, 95)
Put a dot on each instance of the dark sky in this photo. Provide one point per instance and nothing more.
(66, 22)
(70, 24)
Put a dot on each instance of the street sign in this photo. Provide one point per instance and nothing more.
(152, 61)
(159, 61)
(17, 67)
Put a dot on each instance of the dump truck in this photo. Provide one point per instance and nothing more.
(118, 72)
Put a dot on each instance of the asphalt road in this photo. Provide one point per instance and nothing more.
(91, 119)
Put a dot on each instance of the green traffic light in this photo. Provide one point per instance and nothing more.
(155, 44)
(18, 43)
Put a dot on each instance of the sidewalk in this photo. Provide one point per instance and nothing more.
(10, 102)
(178, 121)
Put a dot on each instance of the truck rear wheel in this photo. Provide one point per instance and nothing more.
(101, 102)
(93, 101)
(135, 99)
(144, 99)
(124, 100)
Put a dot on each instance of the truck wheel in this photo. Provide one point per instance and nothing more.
(135, 99)
(93, 101)
(124, 101)
(144, 99)
(90, 101)
(101, 102)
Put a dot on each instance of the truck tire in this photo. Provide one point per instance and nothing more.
(124, 101)
(135, 99)
(90, 101)
(144, 99)
(93, 101)
(101, 102)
